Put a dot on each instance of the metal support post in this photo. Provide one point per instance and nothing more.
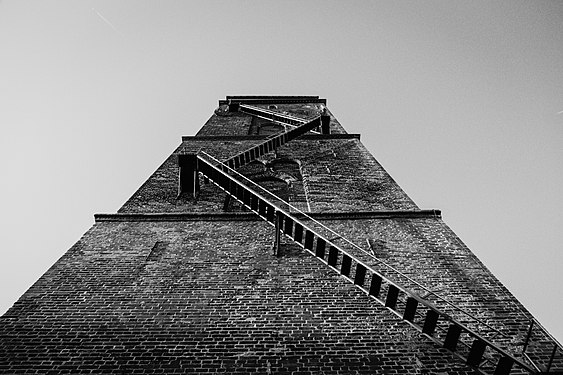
(325, 124)
(189, 175)
(528, 336)
(227, 203)
(277, 237)
(551, 359)
(233, 107)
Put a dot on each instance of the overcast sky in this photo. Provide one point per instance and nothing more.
(462, 102)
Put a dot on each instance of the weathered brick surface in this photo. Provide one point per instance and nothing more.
(160, 192)
(338, 175)
(203, 294)
(428, 252)
(341, 175)
(226, 124)
(198, 297)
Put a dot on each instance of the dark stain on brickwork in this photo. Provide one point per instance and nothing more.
(378, 247)
(228, 123)
(264, 127)
(157, 251)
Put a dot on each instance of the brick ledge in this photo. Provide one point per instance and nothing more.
(272, 100)
(249, 216)
(263, 137)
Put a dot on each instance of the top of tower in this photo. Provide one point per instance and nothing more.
(271, 99)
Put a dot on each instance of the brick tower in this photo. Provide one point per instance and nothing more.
(272, 242)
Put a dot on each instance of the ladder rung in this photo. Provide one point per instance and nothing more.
(452, 337)
(375, 285)
(246, 197)
(309, 237)
(392, 295)
(320, 250)
(430, 322)
(298, 234)
(360, 276)
(476, 352)
(332, 256)
(288, 226)
(240, 193)
(254, 202)
(346, 265)
(270, 213)
(282, 218)
(262, 208)
(504, 366)
(232, 188)
(410, 309)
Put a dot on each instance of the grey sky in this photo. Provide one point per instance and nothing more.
(460, 101)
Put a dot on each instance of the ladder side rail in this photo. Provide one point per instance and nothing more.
(225, 181)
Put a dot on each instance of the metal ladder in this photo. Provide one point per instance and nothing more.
(355, 266)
